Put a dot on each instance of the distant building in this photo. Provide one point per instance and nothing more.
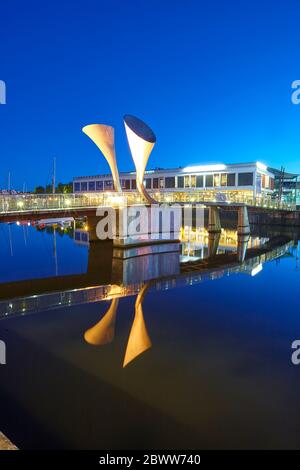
(287, 186)
(228, 182)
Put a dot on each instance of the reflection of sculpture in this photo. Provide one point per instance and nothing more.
(103, 137)
(141, 140)
(104, 331)
(138, 341)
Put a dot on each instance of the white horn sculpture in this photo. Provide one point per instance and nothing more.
(103, 137)
(141, 140)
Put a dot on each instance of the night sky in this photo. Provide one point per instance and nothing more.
(213, 80)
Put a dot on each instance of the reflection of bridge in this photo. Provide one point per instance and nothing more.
(123, 277)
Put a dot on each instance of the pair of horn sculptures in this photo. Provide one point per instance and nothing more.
(141, 140)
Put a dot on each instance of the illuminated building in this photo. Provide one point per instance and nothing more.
(228, 182)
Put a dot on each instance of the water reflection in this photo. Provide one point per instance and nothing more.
(113, 272)
(104, 331)
(139, 340)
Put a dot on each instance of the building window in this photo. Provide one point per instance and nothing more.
(267, 182)
(230, 179)
(217, 179)
(187, 181)
(92, 186)
(199, 181)
(180, 182)
(170, 182)
(108, 185)
(245, 179)
(155, 183)
(133, 184)
(127, 184)
(161, 183)
(224, 179)
(193, 181)
(84, 186)
(209, 181)
(76, 187)
(147, 183)
(99, 185)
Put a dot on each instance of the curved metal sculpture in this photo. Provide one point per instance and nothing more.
(141, 140)
(104, 137)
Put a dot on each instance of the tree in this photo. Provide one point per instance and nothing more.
(39, 190)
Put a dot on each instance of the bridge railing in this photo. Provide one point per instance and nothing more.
(199, 196)
(22, 203)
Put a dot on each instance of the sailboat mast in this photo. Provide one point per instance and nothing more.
(54, 175)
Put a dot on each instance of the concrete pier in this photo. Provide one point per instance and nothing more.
(243, 221)
(214, 223)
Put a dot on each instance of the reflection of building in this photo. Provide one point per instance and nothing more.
(195, 243)
(81, 237)
(224, 182)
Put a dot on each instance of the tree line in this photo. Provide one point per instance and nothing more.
(63, 188)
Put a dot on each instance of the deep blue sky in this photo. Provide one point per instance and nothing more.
(213, 80)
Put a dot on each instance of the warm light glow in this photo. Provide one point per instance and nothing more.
(192, 169)
(104, 331)
(103, 137)
(139, 340)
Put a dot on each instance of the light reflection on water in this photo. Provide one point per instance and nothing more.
(177, 362)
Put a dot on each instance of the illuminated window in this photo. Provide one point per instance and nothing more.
(267, 182)
(147, 183)
(133, 184)
(161, 183)
(224, 179)
(187, 181)
(217, 179)
(155, 183)
(193, 181)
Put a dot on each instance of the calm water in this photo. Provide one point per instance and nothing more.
(200, 359)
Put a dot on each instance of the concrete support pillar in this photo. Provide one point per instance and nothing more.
(243, 221)
(213, 243)
(214, 224)
(242, 247)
